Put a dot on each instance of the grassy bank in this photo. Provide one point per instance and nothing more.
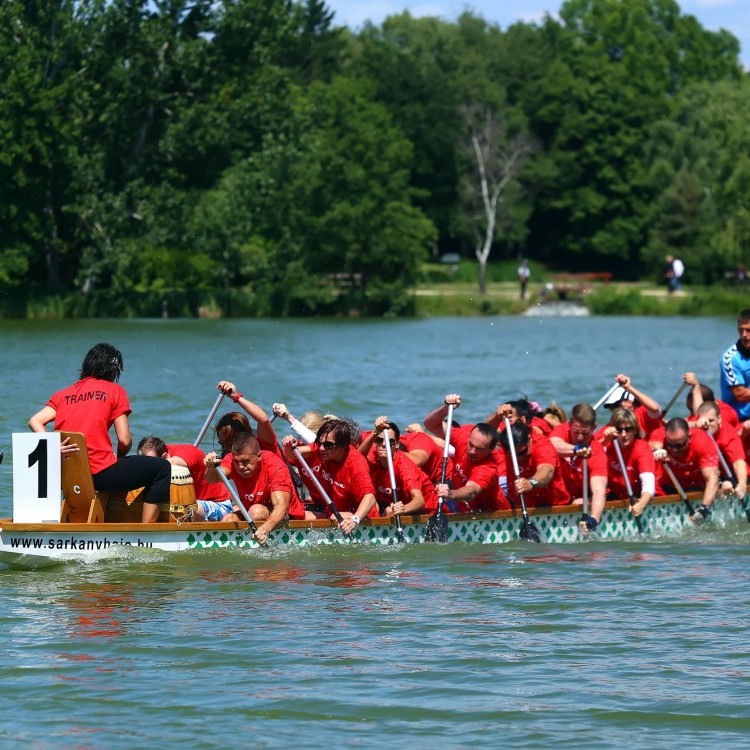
(443, 290)
(454, 291)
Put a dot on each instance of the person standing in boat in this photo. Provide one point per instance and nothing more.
(693, 459)
(637, 456)
(213, 500)
(538, 479)
(735, 370)
(263, 483)
(416, 494)
(341, 470)
(573, 441)
(93, 405)
(475, 477)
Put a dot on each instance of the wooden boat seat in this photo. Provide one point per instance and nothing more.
(81, 503)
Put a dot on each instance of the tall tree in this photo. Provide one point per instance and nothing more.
(498, 155)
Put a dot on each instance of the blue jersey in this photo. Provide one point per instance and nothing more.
(735, 370)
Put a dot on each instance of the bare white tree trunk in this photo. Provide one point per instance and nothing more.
(498, 161)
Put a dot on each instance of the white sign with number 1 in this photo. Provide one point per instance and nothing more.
(36, 477)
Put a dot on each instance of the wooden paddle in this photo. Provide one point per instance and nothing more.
(674, 398)
(678, 487)
(529, 531)
(236, 500)
(318, 486)
(628, 484)
(394, 489)
(437, 524)
(729, 472)
(206, 424)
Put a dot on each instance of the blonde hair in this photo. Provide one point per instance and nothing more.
(554, 414)
(313, 420)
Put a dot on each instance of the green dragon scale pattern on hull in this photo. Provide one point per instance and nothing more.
(659, 520)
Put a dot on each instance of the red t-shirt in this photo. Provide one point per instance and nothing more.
(700, 454)
(571, 467)
(648, 424)
(729, 416)
(420, 441)
(408, 477)
(729, 444)
(346, 483)
(272, 476)
(541, 452)
(91, 406)
(638, 459)
(193, 457)
(483, 473)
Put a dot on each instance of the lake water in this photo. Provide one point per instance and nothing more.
(643, 645)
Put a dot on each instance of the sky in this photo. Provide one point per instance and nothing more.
(732, 15)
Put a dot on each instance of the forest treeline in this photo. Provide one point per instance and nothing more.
(254, 157)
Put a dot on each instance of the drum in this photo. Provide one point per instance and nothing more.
(181, 492)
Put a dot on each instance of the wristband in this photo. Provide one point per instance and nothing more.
(534, 483)
(704, 510)
(355, 519)
(236, 396)
(591, 523)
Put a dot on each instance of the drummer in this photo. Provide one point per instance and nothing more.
(213, 500)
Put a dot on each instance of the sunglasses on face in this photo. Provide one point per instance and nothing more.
(625, 428)
(676, 446)
(328, 445)
(380, 441)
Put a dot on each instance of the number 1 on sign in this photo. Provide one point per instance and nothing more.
(36, 476)
(39, 456)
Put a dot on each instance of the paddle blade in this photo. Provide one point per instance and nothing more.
(529, 532)
(437, 527)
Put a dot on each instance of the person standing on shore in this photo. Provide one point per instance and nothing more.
(524, 272)
(735, 369)
(673, 273)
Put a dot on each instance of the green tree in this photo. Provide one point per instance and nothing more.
(627, 60)
(40, 68)
(329, 196)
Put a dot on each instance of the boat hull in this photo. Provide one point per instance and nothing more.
(38, 545)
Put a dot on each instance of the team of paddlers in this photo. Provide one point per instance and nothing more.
(331, 467)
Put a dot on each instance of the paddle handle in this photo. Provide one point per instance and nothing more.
(672, 401)
(394, 489)
(722, 459)
(586, 491)
(318, 486)
(606, 396)
(628, 485)
(447, 446)
(676, 484)
(236, 499)
(206, 424)
(514, 459)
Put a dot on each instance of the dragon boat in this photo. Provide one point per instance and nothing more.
(58, 516)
